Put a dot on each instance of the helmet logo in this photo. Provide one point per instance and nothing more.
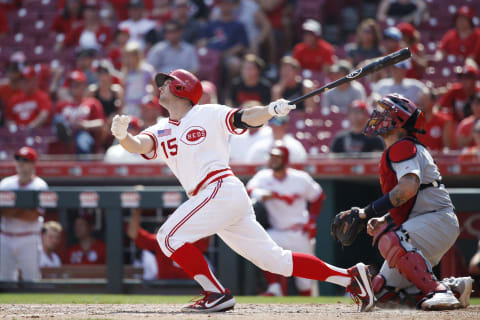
(194, 135)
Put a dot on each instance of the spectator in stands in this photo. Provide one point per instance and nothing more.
(20, 228)
(242, 143)
(472, 153)
(51, 237)
(82, 117)
(137, 24)
(259, 152)
(257, 26)
(458, 99)
(160, 11)
(313, 52)
(173, 53)
(250, 85)
(31, 107)
(192, 28)
(84, 62)
(410, 11)
(227, 35)
(353, 140)
(291, 85)
(411, 39)
(398, 83)
(465, 127)
(209, 93)
(439, 126)
(88, 250)
(137, 78)
(109, 94)
(151, 111)
(70, 18)
(345, 94)
(167, 268)
(92, 33)
(461, 40)
(367, 43)
(392, 38)
(115, 53)
(11, 86)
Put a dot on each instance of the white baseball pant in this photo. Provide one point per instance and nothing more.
(20, 253)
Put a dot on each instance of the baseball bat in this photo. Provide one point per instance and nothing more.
(376, 65)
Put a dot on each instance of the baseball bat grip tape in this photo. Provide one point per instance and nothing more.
(374, 66)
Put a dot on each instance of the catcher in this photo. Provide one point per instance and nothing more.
(414, 222)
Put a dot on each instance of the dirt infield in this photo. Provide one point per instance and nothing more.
(242, 311)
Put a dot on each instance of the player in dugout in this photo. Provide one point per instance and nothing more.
(193, 142)
(414, 222)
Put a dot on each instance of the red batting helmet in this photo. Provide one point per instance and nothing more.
(184, 84)
(398, 112)
(26, 153)
(280, 150)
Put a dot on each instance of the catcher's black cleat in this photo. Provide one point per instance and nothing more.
(212, 302)
(361, 287)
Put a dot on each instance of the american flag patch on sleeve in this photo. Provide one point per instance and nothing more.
(164, 132)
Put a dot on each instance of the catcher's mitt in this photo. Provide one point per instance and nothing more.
(345, 229)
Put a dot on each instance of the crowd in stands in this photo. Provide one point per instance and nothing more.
(68, 66)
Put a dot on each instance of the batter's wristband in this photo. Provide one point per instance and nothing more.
(379, 207)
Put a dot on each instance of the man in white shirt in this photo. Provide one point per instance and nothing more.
(137, 25)
(259, 152)
(398, 83)
(20, 228)
(51, 237)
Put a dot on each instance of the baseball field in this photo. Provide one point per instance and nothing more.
(122, 307)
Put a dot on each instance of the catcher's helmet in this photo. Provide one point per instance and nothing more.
(184, 84)
(398, 112)
(280, 150)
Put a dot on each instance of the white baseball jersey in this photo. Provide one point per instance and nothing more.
(297, 185)
(196, 147)
(16, 225)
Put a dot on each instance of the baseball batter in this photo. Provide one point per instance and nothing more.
(286, 193)
(193, 142)
(20, 243)
(414, 223)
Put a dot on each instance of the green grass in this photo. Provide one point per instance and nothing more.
(38, 298)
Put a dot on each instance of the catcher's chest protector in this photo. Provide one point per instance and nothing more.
(401, 150)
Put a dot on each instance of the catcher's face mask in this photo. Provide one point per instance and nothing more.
(381, 121)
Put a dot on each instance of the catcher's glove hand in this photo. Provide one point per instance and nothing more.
(346, 226)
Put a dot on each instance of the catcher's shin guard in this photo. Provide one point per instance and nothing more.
(390, 297)
(401, 255)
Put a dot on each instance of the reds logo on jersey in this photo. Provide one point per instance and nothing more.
(194, 135)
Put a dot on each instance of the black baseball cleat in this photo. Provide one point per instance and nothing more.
(361, 287)
(212, 302)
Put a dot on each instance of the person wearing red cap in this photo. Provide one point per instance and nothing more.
(20, 228)
(411, 38)
(31, 107)
(82, 116)
(353, 140)
(286, 193)
(461, 40)
(457, 100)
(313, 52)
(439, 126)
(193, 142)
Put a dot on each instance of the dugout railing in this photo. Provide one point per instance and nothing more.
(233, 271)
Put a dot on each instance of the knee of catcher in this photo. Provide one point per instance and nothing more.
(392, 248)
